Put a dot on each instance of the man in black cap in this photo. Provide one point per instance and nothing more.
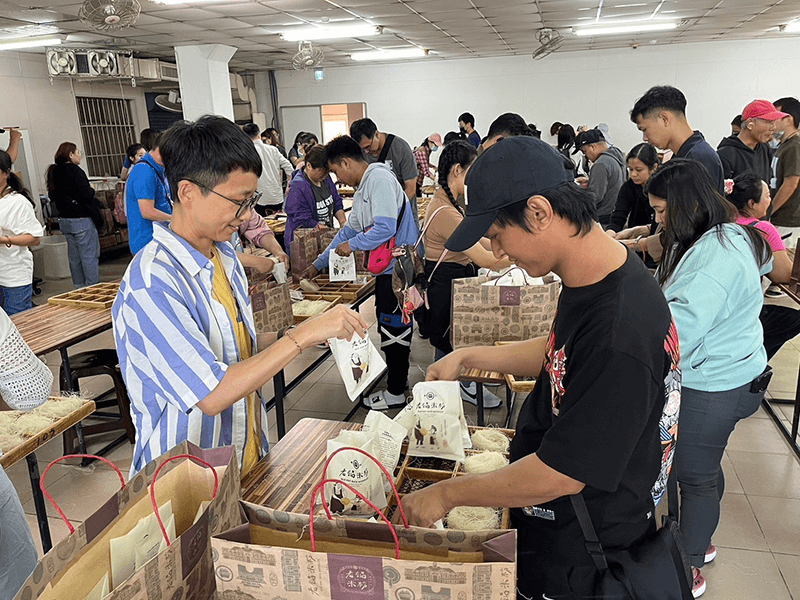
(607, 173)
(591, 425)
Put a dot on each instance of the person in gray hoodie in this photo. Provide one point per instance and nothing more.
(607, 174)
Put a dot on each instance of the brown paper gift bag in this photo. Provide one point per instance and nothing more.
(303, 251)
(74, 566)
(484, 314)
(272, 306)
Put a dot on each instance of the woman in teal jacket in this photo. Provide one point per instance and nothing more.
(710, 274)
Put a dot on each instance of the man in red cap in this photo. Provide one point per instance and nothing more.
(749, 151)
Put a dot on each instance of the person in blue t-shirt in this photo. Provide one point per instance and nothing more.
(146, 199)
(466, 124)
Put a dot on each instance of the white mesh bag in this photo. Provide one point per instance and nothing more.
(25, 381)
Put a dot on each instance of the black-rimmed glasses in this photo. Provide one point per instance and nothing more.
(244, 205)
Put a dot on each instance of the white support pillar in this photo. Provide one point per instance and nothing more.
(204, 80)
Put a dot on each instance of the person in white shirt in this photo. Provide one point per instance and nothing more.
(25, 383)
(19, 229)
(269, 184)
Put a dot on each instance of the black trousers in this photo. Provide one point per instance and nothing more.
(440, 299)
(395, 335)
(780, 324)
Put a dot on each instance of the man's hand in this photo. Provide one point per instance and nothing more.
(282, 257)
(310, 272)
(611, 233)
(343, 249)
(262, 264)
(15, 135)
(446, 369)
(425, 507)
(582, 181)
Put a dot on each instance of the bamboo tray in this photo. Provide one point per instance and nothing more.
(515, 384)
(332, 298)
(100, 295)
(31, 443)
(347, 290)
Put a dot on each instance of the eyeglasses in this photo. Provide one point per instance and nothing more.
(244, 205)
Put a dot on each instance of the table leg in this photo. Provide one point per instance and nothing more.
(510, 400)
(479, 400)
(38, 503)
(279, 383)
(67, 369)
(796, 414)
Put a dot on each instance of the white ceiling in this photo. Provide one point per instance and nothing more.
(449, 29)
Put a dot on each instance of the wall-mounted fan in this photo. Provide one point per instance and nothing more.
(103, 63)
(308, 57)
(170, 102)
(105, 15)
(61, 62)
(550, 41)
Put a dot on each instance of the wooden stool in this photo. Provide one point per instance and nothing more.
(89, 364)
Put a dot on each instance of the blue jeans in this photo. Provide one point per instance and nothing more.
(83, 249)
(16, 299)
(707, 420)
(17, 553)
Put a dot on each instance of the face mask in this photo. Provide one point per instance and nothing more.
(434, 148)
(462, 130)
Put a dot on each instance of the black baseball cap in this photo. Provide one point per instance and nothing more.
(590, 136)
(511, 171)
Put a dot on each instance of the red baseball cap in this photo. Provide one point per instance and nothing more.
(762, 109)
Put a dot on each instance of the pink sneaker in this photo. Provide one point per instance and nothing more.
(711, 553)
(698, 583)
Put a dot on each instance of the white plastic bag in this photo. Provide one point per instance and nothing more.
(359, 363)
(356, 470)
(342, 268)
(435, 421)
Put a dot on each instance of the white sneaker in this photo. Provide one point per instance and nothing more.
(383, 401)
(469, 393)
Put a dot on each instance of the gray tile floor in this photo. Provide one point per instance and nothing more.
(758, 537)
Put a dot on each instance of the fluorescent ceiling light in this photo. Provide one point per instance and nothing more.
(389, 54)
(792, 27)
(618, 28)
(30, 43)
(309, 34)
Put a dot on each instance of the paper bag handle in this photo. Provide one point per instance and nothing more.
(59, 459)
(153, 487)
(321, 486)
(524, 276)
(382, 468)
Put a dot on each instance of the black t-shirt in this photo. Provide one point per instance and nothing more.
(323, 199)
(611, 361)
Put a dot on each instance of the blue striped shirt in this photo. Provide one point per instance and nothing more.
(175, 343)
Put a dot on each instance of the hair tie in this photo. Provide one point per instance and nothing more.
(728, 187)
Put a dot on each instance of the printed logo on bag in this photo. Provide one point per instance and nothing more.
(249, 555)
(510, 296)
(258, 301)
(539, 513)
(290, 566)
(251, 578)
(391, 576)
(349, 581)
(224, 573)
(436, 574)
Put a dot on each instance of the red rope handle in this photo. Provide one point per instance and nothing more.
(382, 468)
(59, 459)
(321, 485)
(153, 487)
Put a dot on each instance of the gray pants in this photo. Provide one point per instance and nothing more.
(83, 250)
(707, 420)
(17, 553)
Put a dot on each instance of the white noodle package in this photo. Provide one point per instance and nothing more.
(359, 363)
(356, 470)
(435, 421)
(342, 268)
(390, 436)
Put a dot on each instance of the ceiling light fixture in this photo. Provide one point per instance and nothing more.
(30, 43)
(389, 54)
(310, 34)
(792, 27)
(618, 28)
(170, 2)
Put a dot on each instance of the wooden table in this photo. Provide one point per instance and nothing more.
(792, 290)
(27, 450)
(284, 478)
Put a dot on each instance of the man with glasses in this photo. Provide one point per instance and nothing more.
(146, 198)
(750, 151)
(183, 325)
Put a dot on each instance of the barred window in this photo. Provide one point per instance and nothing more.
(107, 128)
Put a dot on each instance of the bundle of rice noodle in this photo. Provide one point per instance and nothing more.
(57, 408)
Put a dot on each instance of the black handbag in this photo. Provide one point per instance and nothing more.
(656, 567)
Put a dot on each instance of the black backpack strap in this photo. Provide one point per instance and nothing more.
(593, 545)
(400, 216)
(386, 145)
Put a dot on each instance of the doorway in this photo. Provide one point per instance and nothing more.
(337, 118)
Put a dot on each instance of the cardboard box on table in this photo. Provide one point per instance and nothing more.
(270, 557)
(484, 314)
(183, 571)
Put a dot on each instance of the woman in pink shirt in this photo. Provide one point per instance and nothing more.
(750, 196)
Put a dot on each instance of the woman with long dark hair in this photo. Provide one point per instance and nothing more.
(750, 196)
(710, 273)
(19, 229)
(633, 209)
(442, 217)
(68, 187)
